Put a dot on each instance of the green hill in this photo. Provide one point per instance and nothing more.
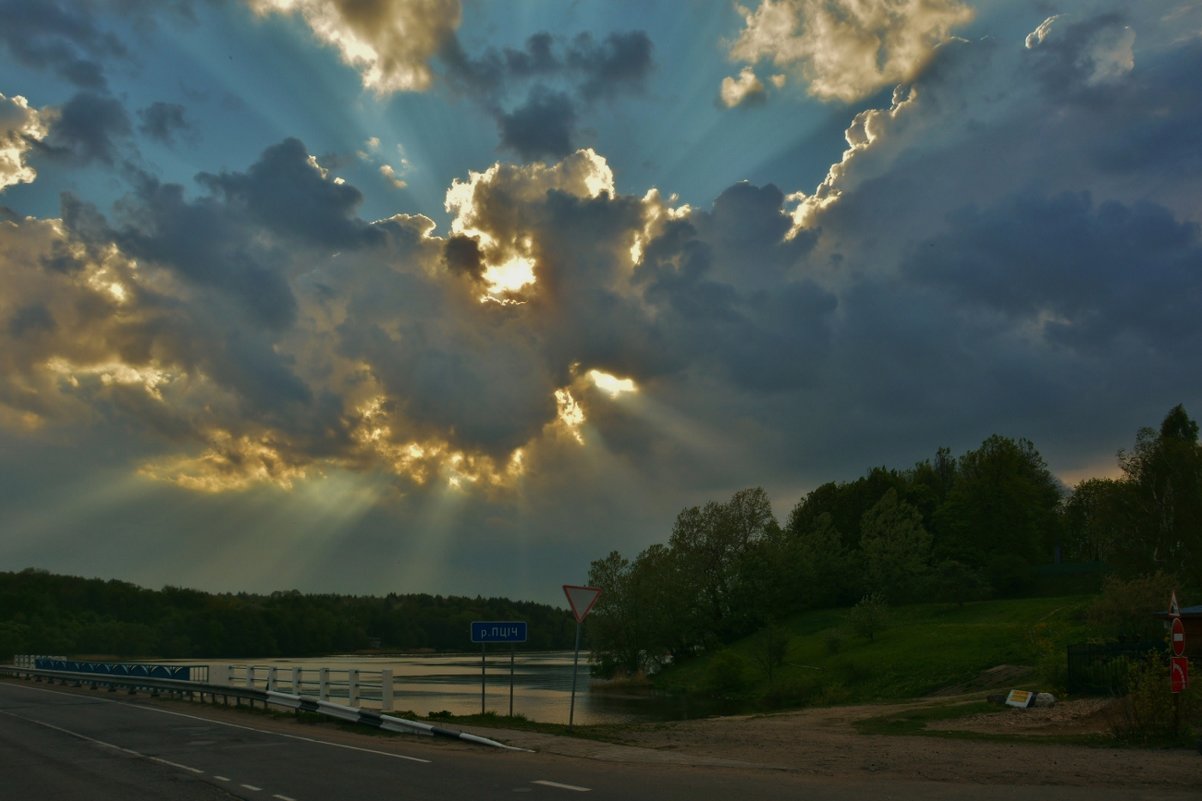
(828, 657)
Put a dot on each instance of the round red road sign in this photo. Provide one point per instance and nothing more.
(1177, 636)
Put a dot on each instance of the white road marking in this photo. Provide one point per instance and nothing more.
(252, 787)
(234, 725)
(103, 744)
(559, 786)
(171, 764)
(283, 797)
(221, 778)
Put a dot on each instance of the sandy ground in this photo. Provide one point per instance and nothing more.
(824, 742)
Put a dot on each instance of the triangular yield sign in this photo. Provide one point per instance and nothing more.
(1174, 607)
(581, 599)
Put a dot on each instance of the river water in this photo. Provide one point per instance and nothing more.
(424, 685)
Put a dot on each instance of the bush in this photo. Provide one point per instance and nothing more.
(868, 616)
(726, 673)
(1150, 714)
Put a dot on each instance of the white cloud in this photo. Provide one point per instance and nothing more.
(19, 126)
(846, 49)
(746, 88)
(390, 42)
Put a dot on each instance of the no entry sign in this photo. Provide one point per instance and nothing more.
(1177, 637)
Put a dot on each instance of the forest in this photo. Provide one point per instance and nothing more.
(44, 613)
(991, 523)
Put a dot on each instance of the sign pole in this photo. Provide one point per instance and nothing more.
(575, 661)
(486, 631)
(581, 599)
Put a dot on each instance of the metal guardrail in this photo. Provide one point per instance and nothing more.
(193, 689)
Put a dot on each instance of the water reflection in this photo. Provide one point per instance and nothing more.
(423, 685)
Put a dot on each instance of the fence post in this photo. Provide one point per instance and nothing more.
(386, 690)
(323, 684)
(296, 681)
(250, 676)
(271, 679)
(352, 687)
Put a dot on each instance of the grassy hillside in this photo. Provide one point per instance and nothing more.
(824, 658)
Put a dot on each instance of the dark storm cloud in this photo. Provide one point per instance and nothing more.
(162, 121)
(30, 320)
(64, 38)
(89, 127)
(560, 82)
(287, 193)
(1096, 272)
(206, 242)
(461, 254)
(542, 127)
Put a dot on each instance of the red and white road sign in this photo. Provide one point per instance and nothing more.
(581, 599)
(1177, 636)
(1179, 674)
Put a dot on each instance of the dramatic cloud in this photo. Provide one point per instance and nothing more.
(89, 127)
(390, 42)
(163, 121)
(845, 50)
(20, 127)
(560, 80)
(65, 38)
(524, 354)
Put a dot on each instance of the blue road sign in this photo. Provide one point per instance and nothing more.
(498, 631)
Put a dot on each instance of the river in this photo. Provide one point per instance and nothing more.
(424, 685)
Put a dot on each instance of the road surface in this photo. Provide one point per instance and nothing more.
(57, 743)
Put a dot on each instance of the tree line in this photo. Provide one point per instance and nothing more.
(45, 613)
(975, 526)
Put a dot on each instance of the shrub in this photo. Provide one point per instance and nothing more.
(726, 673)
(1149, 713)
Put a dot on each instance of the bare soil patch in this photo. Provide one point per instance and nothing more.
(825, 742)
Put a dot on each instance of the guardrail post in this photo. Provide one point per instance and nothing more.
(296, 681)
(250, 676)
(352, 687)
(271, 679)
(386, 690)
(323, 684)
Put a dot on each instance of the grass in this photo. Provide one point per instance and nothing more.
(922, 649)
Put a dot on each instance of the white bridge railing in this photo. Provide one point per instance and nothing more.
(357, 688)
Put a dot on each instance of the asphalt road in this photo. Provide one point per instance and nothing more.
(57, 744)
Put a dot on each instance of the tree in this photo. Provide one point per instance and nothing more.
(1001, 513)
(710, 546)
(896, 548)
(1164, 474)
(1094, 519)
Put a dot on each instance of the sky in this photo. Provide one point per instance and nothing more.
(456, 296)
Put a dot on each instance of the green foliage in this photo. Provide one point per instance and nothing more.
(925, 648)
(896, 547)
(1163, 501)
(1151, 714)
(1124, 611)
(726, 673)
(44, 613)
(869, 616)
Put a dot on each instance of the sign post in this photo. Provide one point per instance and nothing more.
(486, 631)
(581, 599)
(1178, 663)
